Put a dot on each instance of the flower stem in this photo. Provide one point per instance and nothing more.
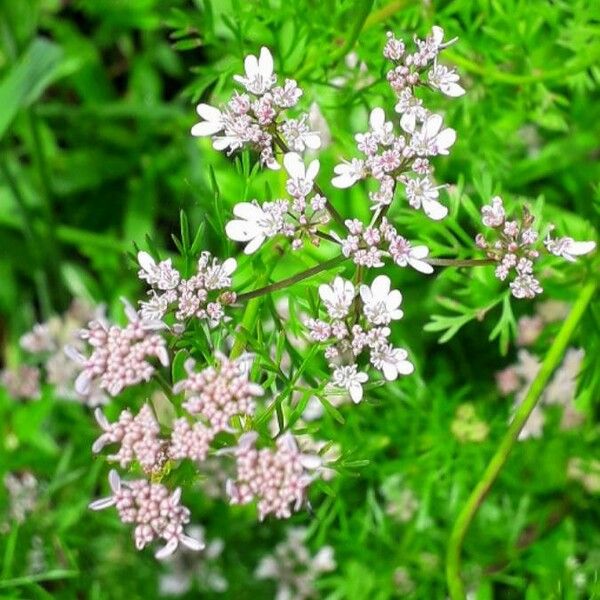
(279, 285)
(457, 262)
(469, 510)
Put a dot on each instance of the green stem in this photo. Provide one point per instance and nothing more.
(469, 510)
(280, 285)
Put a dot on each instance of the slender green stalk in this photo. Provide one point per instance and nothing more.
(469, 510)
(457, 262)
(280, 285)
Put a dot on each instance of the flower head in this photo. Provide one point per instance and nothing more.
(337, 297)
(258, 77)
(380, 305)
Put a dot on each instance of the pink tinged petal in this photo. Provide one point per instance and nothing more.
(176, 496)
(248, 211)
(114, 481)
(394, 300)
(356, 392)
(146, 262)
(163, 356)
(408, 121)
(313, 169)
(581, 248)
(343, 181)
(100, 443)
(192, 543)
(222, 143)
(445, 139)
(206, 128)
(377, 118)
(265, 63)
(208, 112)
(167, 549)
(242, 231)
(101, 419)
(294, 165)
(310, 461)
(434, 210)
(83, 383)
(419, 252)
(381, 286)
(312, 141)
(130, 311)
(432, 125)
(437, 33)
(229, 266)
(453, 90)
(396, 314)
(405, 367)
(247, 440)
(326, 293)
(254, 245)
(365, 294)
(362, 377)
(389, 371)
(74, 355)
(419, 265)
(255, 389)
(251, 66)
(102, 503)
(289, 442)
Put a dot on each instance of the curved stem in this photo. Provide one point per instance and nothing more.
(469, 510)
(457, 262)
(279, 285)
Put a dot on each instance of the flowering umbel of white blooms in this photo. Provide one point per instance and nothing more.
(515, 245)
(277, 478)
(350, 334)
(155, 512)
(257, 118)
(120, 355)
(293, 566)
(187, 297)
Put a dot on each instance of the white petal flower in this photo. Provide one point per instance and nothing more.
(380, 304)
(391, 361)
(351, 379)
(445, 80)
(568, 248)
(348, 173)
(415, 259)
(430, 139)
(213, 121)
(382, 129)
(298, 135)
(258, 77)
(421, 193)
(162, 274)
(337, 297)
(253, 225)
(302, 178)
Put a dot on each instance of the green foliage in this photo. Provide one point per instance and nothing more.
(96, 101)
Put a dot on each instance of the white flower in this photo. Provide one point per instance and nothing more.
(253, 225)
(431, 139)
(391, 361)
(301, 178)
(351, 379)
(421, 193)
(259, 76)
(404, 254)
(568, 248)
(445, 80)
(493, 214)
(337, 297)
(380, 304)
(218, 275)
(155, 308)
(161, 275)
(298, 135)
(348, 173)
(213, 121)
(382, 129)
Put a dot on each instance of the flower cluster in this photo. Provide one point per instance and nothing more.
(22, 382)
(514, 245)
(256, 118)
(46, 342)
(23, 489)
(368, 246)
(293, 568)
(155, 512)
(356, 325)
(120, 355)
(277, 478)
(202, 295)
(297, 218)
(218, 394)
(391, 158)
(137, 436)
